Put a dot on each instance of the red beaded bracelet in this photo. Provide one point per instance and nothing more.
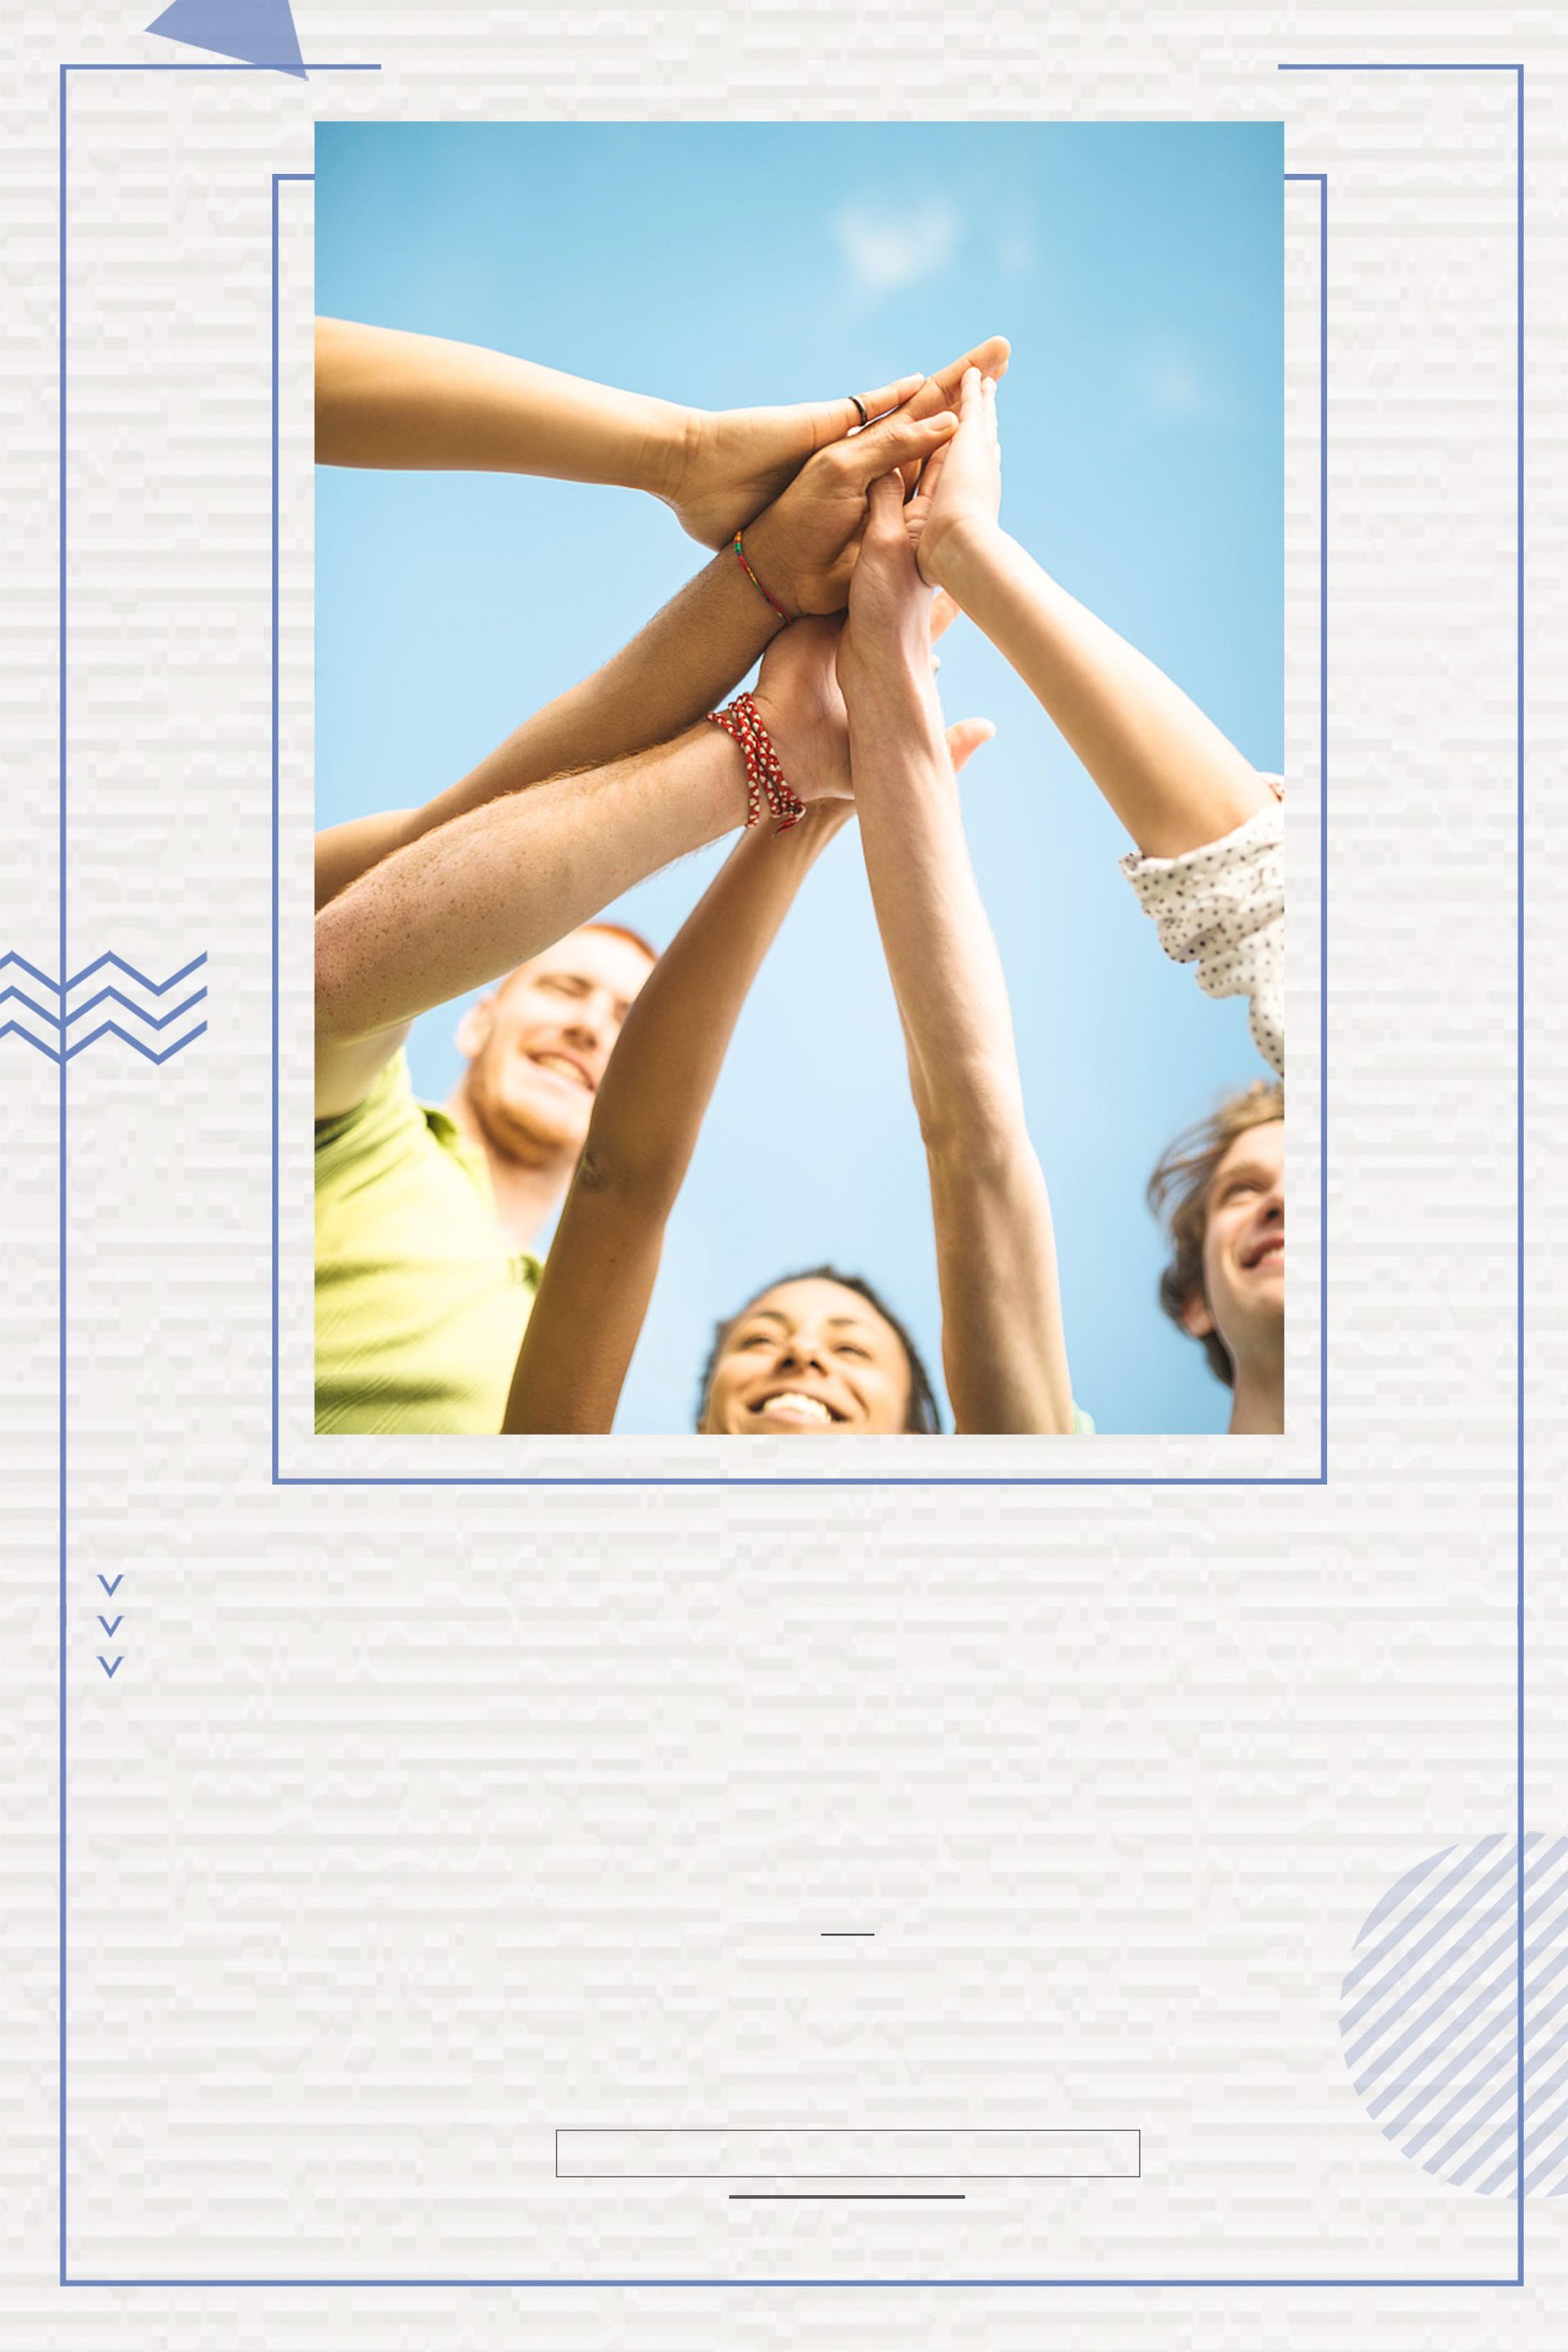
(740, 559)
(741, 721)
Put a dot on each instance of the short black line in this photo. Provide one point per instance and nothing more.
(844, 1935)
(846, 2195)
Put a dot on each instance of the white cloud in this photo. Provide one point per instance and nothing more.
(884, 250)
(1173, 386)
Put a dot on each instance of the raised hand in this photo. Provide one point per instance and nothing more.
(801, 702)
(961, 488)
(893, 615)
(730, 463)
(804, 548)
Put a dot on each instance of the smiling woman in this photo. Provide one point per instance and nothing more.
(816, 1353)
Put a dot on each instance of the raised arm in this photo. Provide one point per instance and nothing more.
(686, 660)
(387, 398)
(1174, 779)
(690, 655)
(599, 1274)
(1002, 1347)
(420, 906)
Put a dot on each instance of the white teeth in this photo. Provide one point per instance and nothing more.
(790, 1400)
(564, 1068)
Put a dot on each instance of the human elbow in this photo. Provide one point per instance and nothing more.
(339, 979)
(616, 1173)
(982, 1134)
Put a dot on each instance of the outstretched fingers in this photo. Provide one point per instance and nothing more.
(901, 439)
(989, 359)
(879, 403)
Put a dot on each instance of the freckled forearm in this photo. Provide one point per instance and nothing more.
(683, 663)
(461, 906)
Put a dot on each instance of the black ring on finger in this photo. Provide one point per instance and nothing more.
(859, 404)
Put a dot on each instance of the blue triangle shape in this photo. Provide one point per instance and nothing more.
(257, 32)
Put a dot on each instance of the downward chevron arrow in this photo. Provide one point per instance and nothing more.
(111, 1630)
(109, 1670)
(106, 1584)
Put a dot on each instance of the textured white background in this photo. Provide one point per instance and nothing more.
(417, 1824)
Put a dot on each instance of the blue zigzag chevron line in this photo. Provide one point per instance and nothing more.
(153, 1020)
(59, 1021)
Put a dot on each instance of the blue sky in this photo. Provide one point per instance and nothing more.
(1137, 271)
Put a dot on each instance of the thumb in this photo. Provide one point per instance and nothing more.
(964, 738)
(843, 416)
(885, 507)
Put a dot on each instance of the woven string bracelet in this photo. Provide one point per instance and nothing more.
(765, 777)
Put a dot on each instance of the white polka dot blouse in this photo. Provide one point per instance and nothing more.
(1223, 909)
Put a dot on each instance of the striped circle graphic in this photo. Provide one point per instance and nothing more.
(1429, 2015)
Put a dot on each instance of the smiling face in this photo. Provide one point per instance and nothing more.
(809, 1358)
(1243, 1296)
(538, 1047)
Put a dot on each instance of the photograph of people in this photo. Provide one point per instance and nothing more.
(859, 538)
(824, 1359)
(423, 1274)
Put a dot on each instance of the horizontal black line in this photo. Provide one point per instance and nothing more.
(844, 1935)
(846, 2195)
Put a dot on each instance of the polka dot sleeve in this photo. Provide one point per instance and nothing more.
(1223, 909)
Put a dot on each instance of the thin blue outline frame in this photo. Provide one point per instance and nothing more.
(522, 1478)
(1242, 2283)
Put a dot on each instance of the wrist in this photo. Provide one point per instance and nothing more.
(672, 437)
(769, 766)
(724, 773)
(896, 729)
(779, 585)
(734, 616)
(893, 685)
(955, 550)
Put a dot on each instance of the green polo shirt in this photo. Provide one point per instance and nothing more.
(420, 1305)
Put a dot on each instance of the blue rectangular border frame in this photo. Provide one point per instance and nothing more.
(1517, 2280)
